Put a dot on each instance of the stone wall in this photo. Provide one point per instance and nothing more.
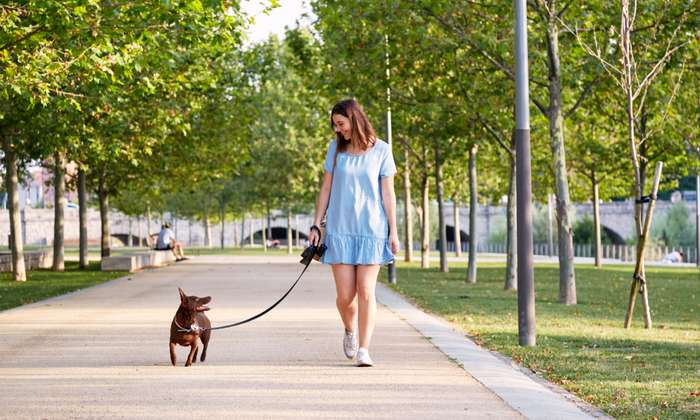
(38, 224)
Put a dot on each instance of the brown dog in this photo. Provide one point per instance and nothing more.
(188, 325)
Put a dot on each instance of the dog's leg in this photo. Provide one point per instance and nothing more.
(173, 357)
(193, 349)
(205, 344)
(196, 352)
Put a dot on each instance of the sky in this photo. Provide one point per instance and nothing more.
(274, 22)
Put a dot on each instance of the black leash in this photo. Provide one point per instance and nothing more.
(197, 328)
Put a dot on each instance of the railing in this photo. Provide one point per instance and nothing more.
(615, 252)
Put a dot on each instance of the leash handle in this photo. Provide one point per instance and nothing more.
(266, 310)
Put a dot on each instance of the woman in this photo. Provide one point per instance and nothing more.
(361, 230)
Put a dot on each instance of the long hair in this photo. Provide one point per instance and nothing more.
(362, 132)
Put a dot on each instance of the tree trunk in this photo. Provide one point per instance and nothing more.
(425, 224)
(296, 231)
(82, 218)
(130, 236)
(641, 165)
(408, 219)
(629, 74)
(189, 232)
(289, 232)
(471, 270)
(269, 222)
(19, 272)
(264, 234)
(207, 229)
(567, 278)
(59, 188)
(251, 237)
(242, 242)
(596, 222)
(148, 224)
(441, 212)
(511, 282)
(105, 249)
(457, 228)
(697, 220)
(550, 236)
(222, 215)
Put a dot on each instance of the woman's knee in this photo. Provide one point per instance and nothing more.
(365, 294)
(344, 301)
(367, 282)
(344, 283)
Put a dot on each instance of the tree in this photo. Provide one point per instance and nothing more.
(668, 29)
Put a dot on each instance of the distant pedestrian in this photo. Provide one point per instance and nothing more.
(357, 196)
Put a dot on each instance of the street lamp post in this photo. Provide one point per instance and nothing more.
(391, 268)
(526, 284)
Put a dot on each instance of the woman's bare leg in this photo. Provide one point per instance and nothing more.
(366, 277)
(180, 250)
(346, 293)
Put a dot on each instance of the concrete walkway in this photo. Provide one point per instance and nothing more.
(103, 353)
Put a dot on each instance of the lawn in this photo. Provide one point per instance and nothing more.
(42, 284)
(631, 374)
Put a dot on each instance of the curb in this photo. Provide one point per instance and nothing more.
(529, 394)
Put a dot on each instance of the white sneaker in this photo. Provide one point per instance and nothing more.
(350, 344)
(363, 359)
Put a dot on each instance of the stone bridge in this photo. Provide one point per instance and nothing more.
(37, 225)
(617, 218)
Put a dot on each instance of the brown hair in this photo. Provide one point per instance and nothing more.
(362, 132)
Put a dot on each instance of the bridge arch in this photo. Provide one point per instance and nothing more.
(613, 236)
(279, 233)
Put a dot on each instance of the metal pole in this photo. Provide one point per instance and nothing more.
(526, 284)
(391, 269)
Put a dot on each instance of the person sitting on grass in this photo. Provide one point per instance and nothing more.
(674, 257)
(166, 241)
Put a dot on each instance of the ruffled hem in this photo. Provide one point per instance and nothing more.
(356, 250)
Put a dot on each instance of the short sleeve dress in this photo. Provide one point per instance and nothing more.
(357, 229)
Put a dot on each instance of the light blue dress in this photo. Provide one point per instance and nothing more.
(357, 229)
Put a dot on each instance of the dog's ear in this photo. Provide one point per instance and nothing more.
(183, 296)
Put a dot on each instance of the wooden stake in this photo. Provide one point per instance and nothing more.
(639, 283)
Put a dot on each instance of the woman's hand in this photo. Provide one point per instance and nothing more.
(394, 243)
(314, 237)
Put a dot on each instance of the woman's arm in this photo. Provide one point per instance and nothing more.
(322, 199)
(321, 205)
(389, 203)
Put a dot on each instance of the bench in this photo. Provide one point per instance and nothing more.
(137, 261)
(32, 260)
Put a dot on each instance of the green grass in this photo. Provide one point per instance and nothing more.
(42, 284)
(631, 374)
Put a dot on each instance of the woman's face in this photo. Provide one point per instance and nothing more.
(341, 125)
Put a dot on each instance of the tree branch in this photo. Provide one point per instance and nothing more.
(587, 90)
(22, 38)
(411, 151)
(539, 106)
(495, 135)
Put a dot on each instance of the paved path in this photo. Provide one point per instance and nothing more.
(102, 353)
